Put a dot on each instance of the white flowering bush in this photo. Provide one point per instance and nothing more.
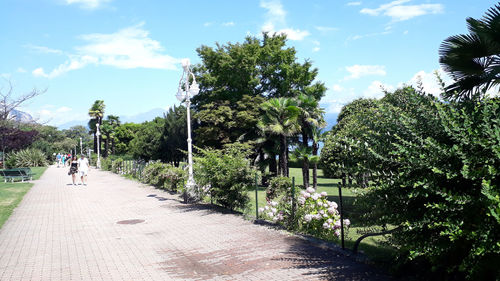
(319, 216)
(314, 214)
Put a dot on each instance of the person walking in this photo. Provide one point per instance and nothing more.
(58, 160)
(63, 157)
(73, 169)
(83, 168)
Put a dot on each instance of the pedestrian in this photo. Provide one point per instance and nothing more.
(63, 160)
(73, 169)
(58, 159)
(83, 168)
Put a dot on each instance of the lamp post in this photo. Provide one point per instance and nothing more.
(184, 95)
(81, 149)
(98, 133)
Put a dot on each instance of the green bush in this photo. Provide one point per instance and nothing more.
(226, 174)
(151, 174)
(278, 186)
(106, 164)
(116, 166)
(27, 158)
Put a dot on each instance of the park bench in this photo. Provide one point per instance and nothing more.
(18, 173)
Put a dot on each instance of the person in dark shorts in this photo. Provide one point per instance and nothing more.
(73, 169)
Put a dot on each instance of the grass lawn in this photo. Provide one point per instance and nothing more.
(12, 193)
(371, 246)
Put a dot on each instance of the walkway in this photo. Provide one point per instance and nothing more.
(118, 229)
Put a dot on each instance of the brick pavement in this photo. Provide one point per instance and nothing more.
(62, 232)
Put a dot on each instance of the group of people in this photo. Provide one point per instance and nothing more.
(79, 167)
(62, 159)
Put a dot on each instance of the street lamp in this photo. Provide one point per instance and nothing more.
(98, 133)
(184, 95)
(81, 150)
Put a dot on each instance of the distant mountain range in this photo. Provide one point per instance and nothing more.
(138, 118)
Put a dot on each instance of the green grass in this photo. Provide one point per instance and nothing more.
(371, 246)
(12, 193)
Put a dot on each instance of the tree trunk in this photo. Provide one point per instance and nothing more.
(315, 167)
(113, 146)
(273, 165)
(106, 147)
(282, 160)
(305, 161)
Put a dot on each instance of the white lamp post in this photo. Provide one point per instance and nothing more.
(98, 133)
(184, 95)
(81, 149)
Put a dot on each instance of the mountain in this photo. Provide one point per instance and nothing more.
(331, 119)
(138, 118)
(20, 116)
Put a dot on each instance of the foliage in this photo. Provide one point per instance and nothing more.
(227, 174)
(163, 175)
(116, 166)
(106, 163)
(472, 59)
(147, 140)
(124, 134)
(26, 158)
(433, 172)
(12, 138)
(277, 186)
(173, 140)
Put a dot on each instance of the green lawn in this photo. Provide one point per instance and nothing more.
(371, 246)
(12, 193)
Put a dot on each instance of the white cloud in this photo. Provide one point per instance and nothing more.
(358, 71)
(337, 88)
(276, 16)
(399, 12)
(43, 49)
(230, 23)
(325, 28)
(88, 4)
(357, 37)
(21, 70)
(353, 3)
(429, 81)
(316, 49)
(294, 34)
(405, 32)
(54, 115)
(207, 24)
(376, 90)
(127, 48)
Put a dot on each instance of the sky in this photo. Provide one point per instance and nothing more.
(128, 52)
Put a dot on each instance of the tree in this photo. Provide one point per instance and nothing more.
(311, 116)
(108, 129)
(12, 139)
(96, 113)
(8, 103)
(472, 59)
(147, 141)
(124, 134)
(280, 119)
(317, 136)
(174, 138)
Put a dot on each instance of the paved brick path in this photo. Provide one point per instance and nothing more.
(62, 232)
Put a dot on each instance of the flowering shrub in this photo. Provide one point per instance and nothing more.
(116, 166)
(318, 216)
(314, 214)
(163, 175)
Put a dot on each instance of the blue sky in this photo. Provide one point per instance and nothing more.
(128, 52)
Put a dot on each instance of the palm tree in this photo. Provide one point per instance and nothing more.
(280, 119)
(317, 137)
(108, 129)
(472, 60)
(311, 116)
(96, 113)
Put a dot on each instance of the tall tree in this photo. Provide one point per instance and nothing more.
(96, 113)
(9, 102)
(473, 60)
(280, 118)
(174, 138)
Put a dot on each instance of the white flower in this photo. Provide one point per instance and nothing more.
(317, 216)
(274, 204)
(325, 225)
(275, 219)
(273, 210)
(301, 200)
(303, 193)
(331, 211)
(307, 195)
(261, 210)
(321, 211)
(329, 221)
(270, 214)
(315, 196)
(337, 233)
(324, 194)
(266, 208)
(347, 222)
(325, 215)
(310, 190)
(308, 217)
(326, 205)
(333, 204)
(319, 203)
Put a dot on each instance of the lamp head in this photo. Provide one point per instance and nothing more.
(185, 63)
(194, 89)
